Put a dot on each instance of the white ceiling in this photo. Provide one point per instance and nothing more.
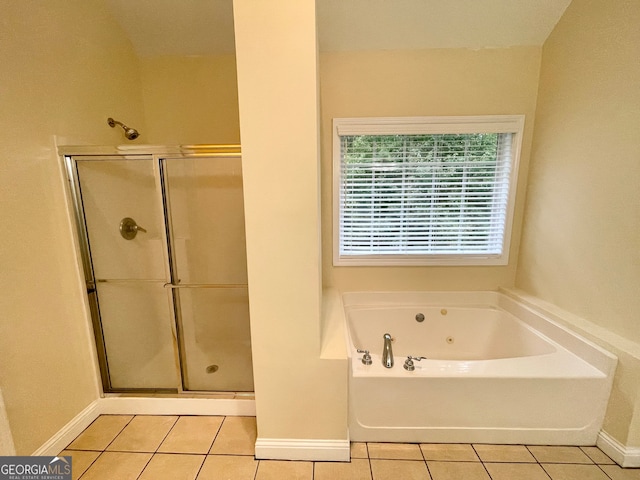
(411, 24)
(201, 27)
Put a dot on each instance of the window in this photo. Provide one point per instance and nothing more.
(425, 190)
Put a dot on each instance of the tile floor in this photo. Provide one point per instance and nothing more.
(150, 447)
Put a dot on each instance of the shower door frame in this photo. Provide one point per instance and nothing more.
(69, 156)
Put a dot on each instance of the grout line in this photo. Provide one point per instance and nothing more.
(168, 433)
(602, 470)
(81, 450)
(425, 462)
(145, 466)
(537, 462)
(90, 465)
(119, 433)
(215, 437)
(255, 474)
(481, 461)
(366, 449)
(204, 460)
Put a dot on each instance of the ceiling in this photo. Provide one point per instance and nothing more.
(203, 27)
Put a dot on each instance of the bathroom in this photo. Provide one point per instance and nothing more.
(575, 234)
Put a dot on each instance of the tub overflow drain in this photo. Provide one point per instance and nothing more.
(212, 368)
(450, 340)
(420, 317)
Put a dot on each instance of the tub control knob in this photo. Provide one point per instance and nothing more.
(408, 363)
(366, 358)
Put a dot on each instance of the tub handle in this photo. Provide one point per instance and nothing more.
(408, 363)
(366, 358)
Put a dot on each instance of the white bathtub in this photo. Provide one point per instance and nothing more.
(496, 372)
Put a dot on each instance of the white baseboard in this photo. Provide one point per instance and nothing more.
(70, 431)
(143, 406)
(303, 449)
(624, 456)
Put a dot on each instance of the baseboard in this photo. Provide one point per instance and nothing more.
(303, 449)
(143, 406)
(70, 431)
(628, 457)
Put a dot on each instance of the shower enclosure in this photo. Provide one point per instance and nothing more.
(161, 235)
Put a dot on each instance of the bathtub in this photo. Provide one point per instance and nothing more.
(496, 371)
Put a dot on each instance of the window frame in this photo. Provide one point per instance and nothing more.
(427, 125)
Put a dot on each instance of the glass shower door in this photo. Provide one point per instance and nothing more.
(121, 203)
(205, 211)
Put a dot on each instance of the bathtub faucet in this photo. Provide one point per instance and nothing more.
(387, 353)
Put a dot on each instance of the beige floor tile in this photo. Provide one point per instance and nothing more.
(117, 465)
(100, 433)
(399, 469)
(144, 433)
(165, 466)
(516, 471)
(228, 467)
(459, 452)
(191, 435)
(597, 455)
(565, 471)
(457, 471)
(359, 450)
(281, 470)
(394, 451)
(80, 461)
(617, 473)
(504, 453)
(237, 436)
(357, 469)
(555, 454)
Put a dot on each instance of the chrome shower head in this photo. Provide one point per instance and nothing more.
(130, 133)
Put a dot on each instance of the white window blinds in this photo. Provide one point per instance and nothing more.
(429, 195)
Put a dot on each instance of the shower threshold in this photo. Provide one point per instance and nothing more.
(176, 394)
(187, 403)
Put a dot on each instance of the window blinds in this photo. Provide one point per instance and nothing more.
(424, 194)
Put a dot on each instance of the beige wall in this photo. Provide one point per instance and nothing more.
(298, 395)
(581, 237)
(66, 67)
(425, 83)
(191, 100)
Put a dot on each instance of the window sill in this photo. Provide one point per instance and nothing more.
(421, 260)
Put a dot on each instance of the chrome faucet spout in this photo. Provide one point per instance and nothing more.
(387, 352)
